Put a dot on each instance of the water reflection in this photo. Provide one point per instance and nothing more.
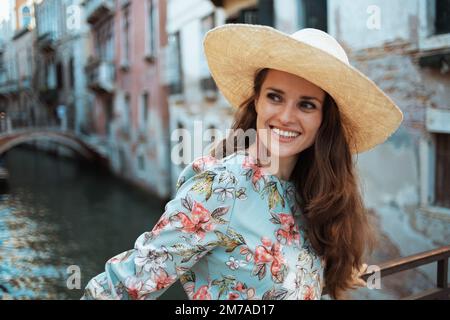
(60, 213)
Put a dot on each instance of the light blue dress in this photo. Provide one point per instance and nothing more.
(231, 232)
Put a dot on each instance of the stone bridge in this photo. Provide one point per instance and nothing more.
(13, 138)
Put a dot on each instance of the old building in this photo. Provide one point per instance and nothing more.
(60, 80)
(130, 105)
(16, 94)
(404, 48)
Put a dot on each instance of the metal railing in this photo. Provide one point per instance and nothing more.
(439, 255)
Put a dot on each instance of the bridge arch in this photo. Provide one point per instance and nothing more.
(69, 140)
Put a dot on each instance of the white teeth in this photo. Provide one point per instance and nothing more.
(288, 134)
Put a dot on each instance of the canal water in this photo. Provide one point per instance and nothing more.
(59, 213)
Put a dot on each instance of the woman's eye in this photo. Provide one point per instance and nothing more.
(274, 97)
(308, 105)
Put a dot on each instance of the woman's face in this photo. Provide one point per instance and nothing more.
(290, 109)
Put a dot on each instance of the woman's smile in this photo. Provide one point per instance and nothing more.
(283, 135)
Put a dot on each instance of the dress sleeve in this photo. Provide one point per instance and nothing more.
(188, 229)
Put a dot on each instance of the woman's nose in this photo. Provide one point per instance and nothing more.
(287, 113)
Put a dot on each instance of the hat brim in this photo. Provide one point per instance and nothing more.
(235, 52)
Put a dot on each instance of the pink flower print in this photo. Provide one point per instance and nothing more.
(162, 279)
(269, 253)
(159, 226)
(249, 163)
(240, 287)
(309, 293)
(233, 296)
(289, 230)
(266, 241)
(262, 255)
(199, 223)
(202, 293)
(135, 288)
(245, 251)
(201, 163)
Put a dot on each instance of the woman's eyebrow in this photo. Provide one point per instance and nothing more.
(301, 97)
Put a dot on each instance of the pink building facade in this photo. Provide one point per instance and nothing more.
(130, 106)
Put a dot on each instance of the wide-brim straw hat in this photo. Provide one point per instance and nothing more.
(236, 52)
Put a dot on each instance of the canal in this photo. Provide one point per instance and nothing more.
(59, 213)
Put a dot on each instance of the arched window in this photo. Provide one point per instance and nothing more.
(26, 16)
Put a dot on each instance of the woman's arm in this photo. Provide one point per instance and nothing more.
(182, 236)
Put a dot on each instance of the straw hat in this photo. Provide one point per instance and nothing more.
(235, 52)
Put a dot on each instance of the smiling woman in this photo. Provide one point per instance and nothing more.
(241, 228)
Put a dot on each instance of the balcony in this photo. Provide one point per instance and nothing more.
(9, 87)
(46, 42)
(101, 76)
(98, 9)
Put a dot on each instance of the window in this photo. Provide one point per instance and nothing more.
(127, 114)
(59, 76)
(104, 44)
(442, 19)
(151, 27)
(442, 172)
(312, 14)
(126, 37)
(248, 15)
(144, 112)
(71, 73)
(434, 31)
(2, 63)
(108, 114)
(175, 73)
(141, 163)
(26, 17)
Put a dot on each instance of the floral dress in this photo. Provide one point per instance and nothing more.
(231, 232)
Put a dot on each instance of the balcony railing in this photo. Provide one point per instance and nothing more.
(9, 87)
(101, 76)
(46, 42)
(439, 255)
(98, 9)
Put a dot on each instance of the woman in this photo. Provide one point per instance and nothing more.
(279, 215)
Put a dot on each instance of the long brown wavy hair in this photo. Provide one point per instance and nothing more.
(337, 224)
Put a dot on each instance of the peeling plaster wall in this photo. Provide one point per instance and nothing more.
(348, 21)
(393, 174)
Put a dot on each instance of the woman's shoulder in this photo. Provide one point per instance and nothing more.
(225, 168)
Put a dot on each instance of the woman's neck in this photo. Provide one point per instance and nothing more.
(280, 167)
